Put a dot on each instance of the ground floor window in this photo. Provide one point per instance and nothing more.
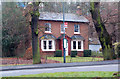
(48, 45)
(77, 45)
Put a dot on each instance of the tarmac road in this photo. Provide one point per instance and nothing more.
(110, 67)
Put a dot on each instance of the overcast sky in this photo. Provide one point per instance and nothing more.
(0, 2)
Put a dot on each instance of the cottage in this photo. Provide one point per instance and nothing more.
(51, 36)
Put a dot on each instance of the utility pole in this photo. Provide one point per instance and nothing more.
(64, 33)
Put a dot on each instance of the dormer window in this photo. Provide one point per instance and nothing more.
(47, 28)
(76, 29)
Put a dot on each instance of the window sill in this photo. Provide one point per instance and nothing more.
(49, 50)
(77, 50)
(63, 32)
(48, 32)
(76, 32)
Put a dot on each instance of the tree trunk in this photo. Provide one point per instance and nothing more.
(104, 37)
(34, 28)
(119, 21)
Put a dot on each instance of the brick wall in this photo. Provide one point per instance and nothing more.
(56, 30)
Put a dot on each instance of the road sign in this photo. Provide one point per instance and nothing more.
(65, 43)
(66, 24)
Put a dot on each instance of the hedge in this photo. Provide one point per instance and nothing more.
(58, 53)
(73, 53)
(87, 53)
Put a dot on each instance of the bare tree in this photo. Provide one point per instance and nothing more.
(104, 37)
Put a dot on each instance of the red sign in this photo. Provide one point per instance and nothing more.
(66, 24)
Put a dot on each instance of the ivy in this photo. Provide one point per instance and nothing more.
(92, 6)
(36, 32)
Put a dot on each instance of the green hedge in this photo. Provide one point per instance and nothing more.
(87, 53)
(58, 53)
(73, 53)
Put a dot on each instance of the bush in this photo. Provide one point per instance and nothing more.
(28, 54)
(100, 49)
(117, 48)
(87, 53)
(73, 53)
(118, 51)
(94, 53)
(58, 53)
(15, 29)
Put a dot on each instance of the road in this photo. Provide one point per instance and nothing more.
(112, 67)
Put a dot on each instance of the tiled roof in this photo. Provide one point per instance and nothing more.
(77, 37)
(62, 35)
(94, 41)
(47, 36)
(59, 17)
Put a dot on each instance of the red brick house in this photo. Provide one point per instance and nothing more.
(51, 36)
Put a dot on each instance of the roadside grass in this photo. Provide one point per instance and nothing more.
(73, 74)
(15, 65)
(68, 60)
(75, 59)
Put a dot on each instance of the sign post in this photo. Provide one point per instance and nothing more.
(66, 25)
(64, 34)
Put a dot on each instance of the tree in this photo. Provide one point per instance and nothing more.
(32, 13)
(12, 31)
(34, 27)
(104, 37)
(119, 21)
(109, 15)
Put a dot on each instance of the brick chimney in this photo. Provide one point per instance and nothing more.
(78, 11)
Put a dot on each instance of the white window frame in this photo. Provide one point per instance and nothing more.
(78, 29)
(82, 47)
(61, 29)
(47, 45)
(49, 28)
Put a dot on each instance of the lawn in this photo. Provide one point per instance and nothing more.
(73, 74)
(75, 59)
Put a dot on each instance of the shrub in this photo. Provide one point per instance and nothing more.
(28, 55)
(73, 53)
(117, 48)
(100, 49)
(87, 53)
(94, 53)
(118, 51)
(58, 53)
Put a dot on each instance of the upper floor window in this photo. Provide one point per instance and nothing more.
(62, 28)
(76, 29)
(47, 28)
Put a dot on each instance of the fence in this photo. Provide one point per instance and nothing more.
(49, 59)
(70, 59)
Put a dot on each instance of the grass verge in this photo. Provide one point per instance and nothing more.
(73, 74)
(75, 59)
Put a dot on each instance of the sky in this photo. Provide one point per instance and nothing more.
(0, 2)
(60, 0)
